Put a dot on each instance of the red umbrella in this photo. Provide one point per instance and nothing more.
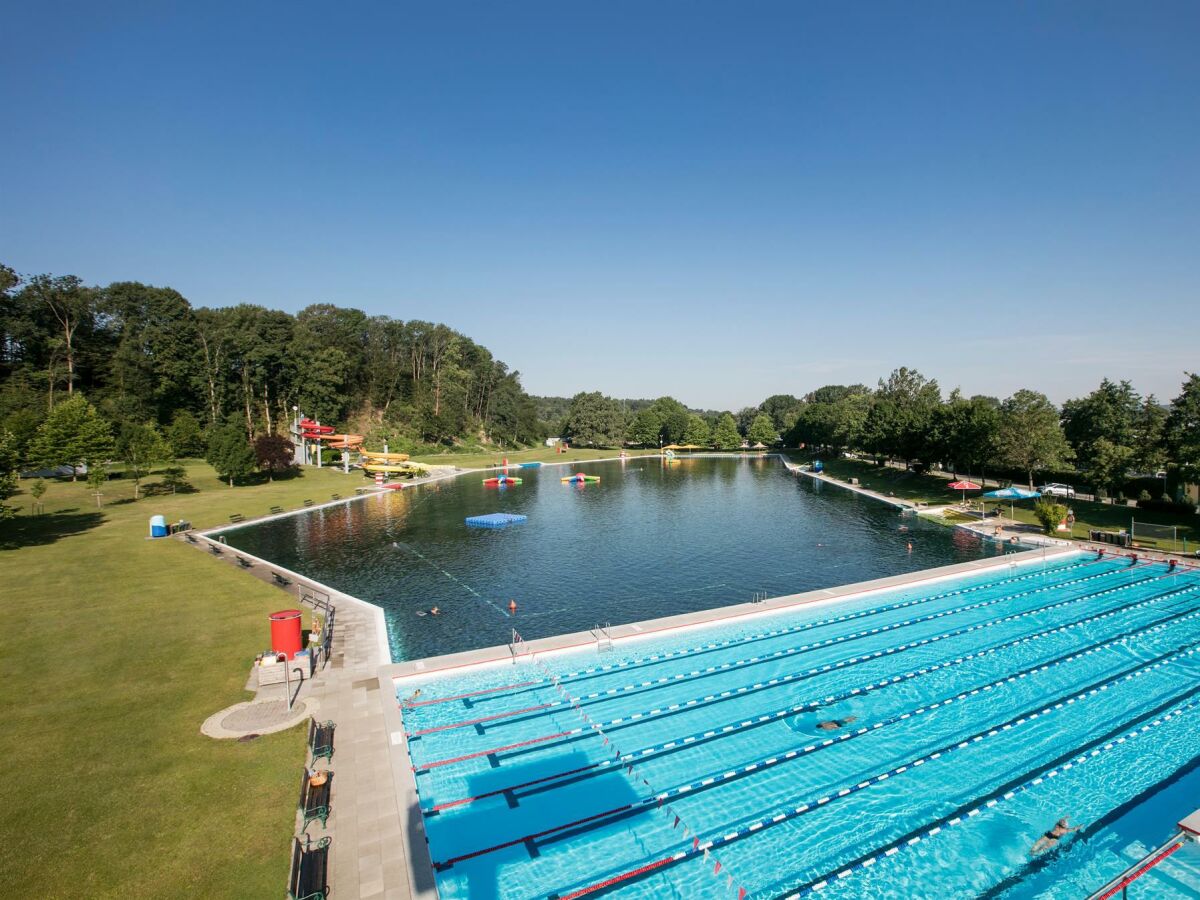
(963, 486)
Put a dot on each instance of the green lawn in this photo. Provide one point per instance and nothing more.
(932, 489)
(537, 454)
(119, 648)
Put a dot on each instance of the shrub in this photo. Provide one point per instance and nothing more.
(1168, 506)
(1143, 496)
(1049, 514)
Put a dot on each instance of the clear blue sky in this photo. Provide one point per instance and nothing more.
(716, 201)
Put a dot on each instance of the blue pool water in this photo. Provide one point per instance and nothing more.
(983, 708)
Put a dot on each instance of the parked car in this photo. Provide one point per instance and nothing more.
(1057, 490)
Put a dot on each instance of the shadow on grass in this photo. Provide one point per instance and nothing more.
(32, 531)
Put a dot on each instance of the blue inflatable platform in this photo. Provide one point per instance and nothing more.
(495, 520)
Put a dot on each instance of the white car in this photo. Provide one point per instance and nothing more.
(1057, 490)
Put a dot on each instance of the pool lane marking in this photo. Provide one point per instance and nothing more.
(642, 753)
(774, 682)
(651, 684)
(1041, 710)
(765, 822)
(766, 635)
(989, 801)
(403, 546)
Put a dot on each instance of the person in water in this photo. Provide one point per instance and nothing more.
(1050, 839)
(835, 724)
(435, 611)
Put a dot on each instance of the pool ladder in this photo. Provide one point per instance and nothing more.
(604, 642)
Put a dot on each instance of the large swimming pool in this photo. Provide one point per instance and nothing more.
(969, 714)
(648, 540)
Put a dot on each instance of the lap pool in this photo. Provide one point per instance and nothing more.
(971, 712)
(647, 540)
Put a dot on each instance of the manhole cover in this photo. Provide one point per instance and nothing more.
(261, 716)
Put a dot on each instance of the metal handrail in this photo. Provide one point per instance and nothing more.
(1140, 868)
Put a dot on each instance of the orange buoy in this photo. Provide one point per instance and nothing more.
(512, 606)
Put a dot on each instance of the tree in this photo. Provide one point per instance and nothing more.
(900, 418)
(175, 477)
(697, 432)
(674, 417)
(229, 452)
(37, 491)
(645, 428)
(1030, 437)
(185, 436)
(74, 434)
(762, 430)
(726, 435)
(72, 306)
(274, 453)
(141, 448)
(1181, 430)
(594, 420)
(783, 410)
(9, 462)
(96, 479)
(744, 418)
(1104, 423)
(964, 432)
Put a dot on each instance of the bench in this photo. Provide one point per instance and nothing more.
(314, 801)
(216, 551)
(320, 739)
(335, 496)
(244, 563)
(280, 580)
(308, 503)
(310, 869)
(237, 517)
(191, 538)
(276, 510)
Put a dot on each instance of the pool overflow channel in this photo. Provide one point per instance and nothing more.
(1137, 576)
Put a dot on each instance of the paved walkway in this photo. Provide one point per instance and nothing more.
(367, 855)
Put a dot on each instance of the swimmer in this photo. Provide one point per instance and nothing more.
(1050, 839)
(415, 695)
(435, 611)
(835, 724)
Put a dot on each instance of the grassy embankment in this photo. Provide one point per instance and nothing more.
(119, 647)
(932, 489)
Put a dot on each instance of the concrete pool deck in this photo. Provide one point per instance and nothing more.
(391, 677)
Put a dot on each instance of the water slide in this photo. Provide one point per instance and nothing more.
(312, 431)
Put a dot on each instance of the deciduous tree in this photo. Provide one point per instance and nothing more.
(1030, 437)
(74, 434)
(230, 453)
(726, 435)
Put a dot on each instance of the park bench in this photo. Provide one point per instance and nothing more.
(308, 503)
(314, 801)
(335, 496)
(310, 869)
(280, 580)
(276, 510)
(191, 538)
(243, 562)
(237, 517)
(320, 739)
(216, 551)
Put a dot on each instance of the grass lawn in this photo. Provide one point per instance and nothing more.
(536, 454)
(893, 482)
(120, 648)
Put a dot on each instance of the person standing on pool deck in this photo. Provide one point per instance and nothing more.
(1050, 839)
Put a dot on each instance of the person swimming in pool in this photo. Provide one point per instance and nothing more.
(1050, 839)
(835, 724)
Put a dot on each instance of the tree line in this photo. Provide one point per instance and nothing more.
(1102, 438)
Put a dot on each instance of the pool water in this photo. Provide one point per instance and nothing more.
(647, 541)
(969, 715)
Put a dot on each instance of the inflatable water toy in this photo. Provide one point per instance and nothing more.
(502, 481)
(495, 520)
(532, 465)
(580, 478)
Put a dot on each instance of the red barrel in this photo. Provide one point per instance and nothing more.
(285, 632)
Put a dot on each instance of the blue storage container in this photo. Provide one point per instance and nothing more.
(158, 526)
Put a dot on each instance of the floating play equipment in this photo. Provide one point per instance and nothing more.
(580, 478)
(532, 465)
(502, 481)
(495, 520)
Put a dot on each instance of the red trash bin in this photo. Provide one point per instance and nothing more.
(285, 632)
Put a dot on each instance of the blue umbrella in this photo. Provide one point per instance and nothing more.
(1012, 494)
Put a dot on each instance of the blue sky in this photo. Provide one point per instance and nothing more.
(716, 201)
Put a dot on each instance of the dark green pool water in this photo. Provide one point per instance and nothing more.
(647, 541)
